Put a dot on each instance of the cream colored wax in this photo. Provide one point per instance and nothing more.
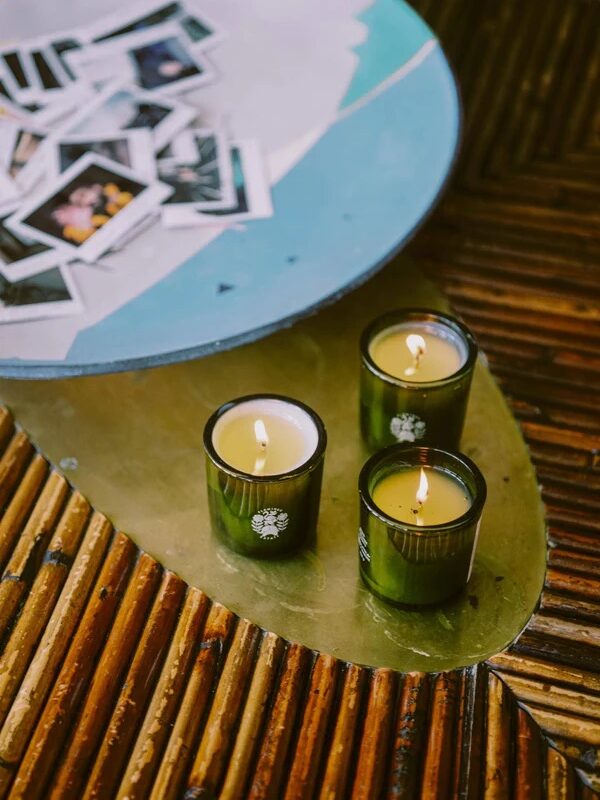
(444, 498)
(416, 352)
(265, 437)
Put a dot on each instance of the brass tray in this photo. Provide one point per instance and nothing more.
(132, 444)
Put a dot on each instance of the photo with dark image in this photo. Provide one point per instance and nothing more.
(197, 182)
(147, 115)
(45, 287)
(13, 62)
(25, 147)
(47, 76)
(115, 149)
(163, 62)
(171, 12)
(84, 205)
(163, 14)
(15, 248)
(239, 184)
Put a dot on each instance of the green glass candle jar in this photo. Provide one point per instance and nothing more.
(416, 373)
(264, 466)
(420, 512)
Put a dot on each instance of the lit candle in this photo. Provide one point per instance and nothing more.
(265, 436)
(422, 496)
(429, 355)
(264, 467)
(416, 374)
(420, 513)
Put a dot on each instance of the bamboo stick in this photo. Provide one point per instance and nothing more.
(254, 714)
(20, 506)
(462, 697)
(570, 606)
(528, 781)
(554, 697)
(157, 724)
(213, 647)
(219, 731)
(498, 745)
(116, 655)
(276, 739)
(308, 751)
(573, 630)
(73, 679)
(137, 688)
(546, 671)
(338, 767)
(567, 726)
(437, 762)
(557, 649)
(371, 767)
(6, 425)
(470, 733)
(411, 728)
(12, 464)
(28, 552)
(21, 719)
(40, 602)
(560, 780)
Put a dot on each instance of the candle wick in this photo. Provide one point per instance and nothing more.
(420, 352)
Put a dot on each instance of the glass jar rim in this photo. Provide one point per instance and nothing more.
(401, 315)
(420, 458)
(306, 466)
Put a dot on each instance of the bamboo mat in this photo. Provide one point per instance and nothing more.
(118, 680)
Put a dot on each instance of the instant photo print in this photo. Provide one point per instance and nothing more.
(133, 149)
(90, 207)
(157, 60)
(51, 293)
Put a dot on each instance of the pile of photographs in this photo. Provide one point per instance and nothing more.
(97, 144)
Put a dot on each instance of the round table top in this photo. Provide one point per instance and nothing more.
(356, 159)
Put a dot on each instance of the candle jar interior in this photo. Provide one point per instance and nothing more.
(290, 435)
(395, 362)
(410, 565)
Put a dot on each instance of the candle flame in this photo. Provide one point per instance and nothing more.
(423, 490)
(416, 345)
(260, 432)
(262, 440)
(418, 348)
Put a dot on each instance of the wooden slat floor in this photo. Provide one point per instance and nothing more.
(118, 680)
